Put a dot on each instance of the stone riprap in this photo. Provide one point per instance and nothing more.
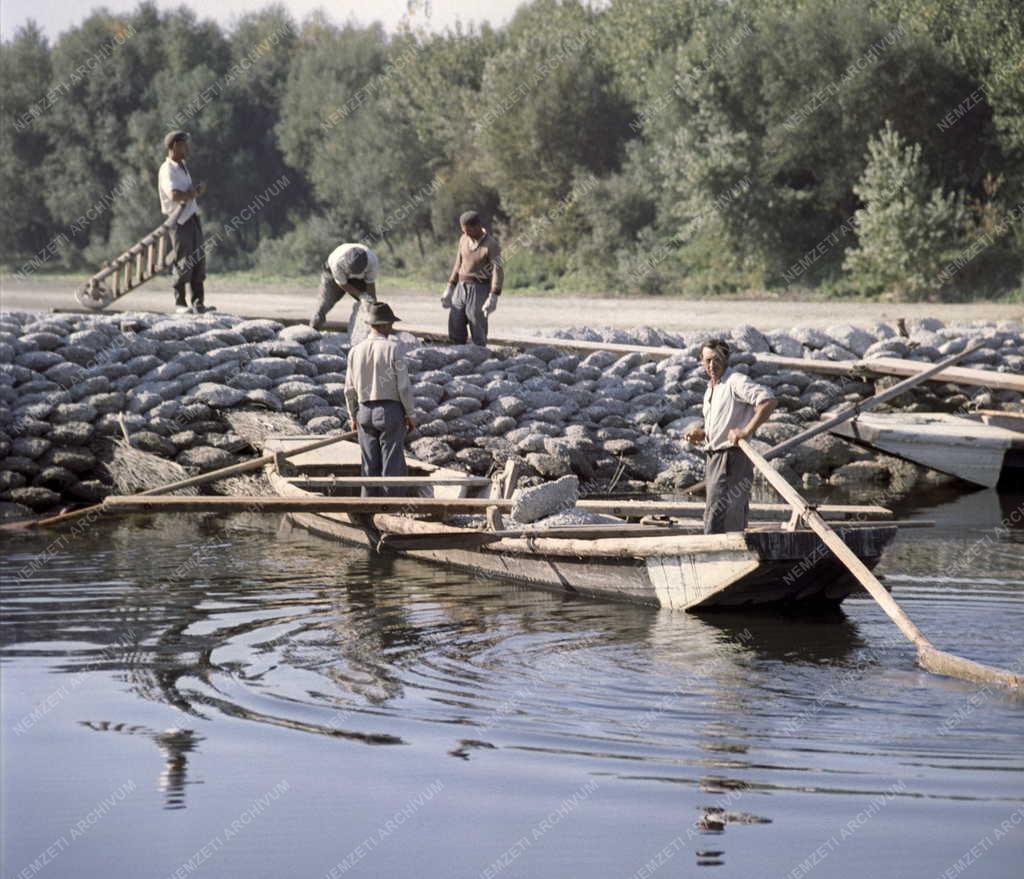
(71, 383)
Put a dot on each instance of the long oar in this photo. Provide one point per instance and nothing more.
(202, 479)
(866, 406)
(929, 657)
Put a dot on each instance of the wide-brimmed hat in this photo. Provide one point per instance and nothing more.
(381, 313)
(172, 137)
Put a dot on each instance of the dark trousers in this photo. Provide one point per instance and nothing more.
(729, 475)
(330, 295)
(381, 425)
(189, 266)
(467, 312)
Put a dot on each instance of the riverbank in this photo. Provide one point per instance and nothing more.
(519, 311)
(72, 384)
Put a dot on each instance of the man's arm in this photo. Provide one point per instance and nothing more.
(498, 274)
(761, 413)
(453, 278)
(351, 394)
(404, 388)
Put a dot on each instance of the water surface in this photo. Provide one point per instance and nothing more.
(231, 697)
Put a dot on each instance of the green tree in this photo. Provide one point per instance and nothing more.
(907, 224)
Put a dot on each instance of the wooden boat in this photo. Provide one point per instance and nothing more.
(675, 567)
(970, 450)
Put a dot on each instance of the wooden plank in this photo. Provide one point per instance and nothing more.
(960, 375)
(409, 505)
(316, 483)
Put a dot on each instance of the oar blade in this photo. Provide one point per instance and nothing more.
(941, 663)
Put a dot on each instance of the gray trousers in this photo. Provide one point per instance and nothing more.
(381, 425)
(467, 311)
(729, 475)
(189, 266)
(330, 295)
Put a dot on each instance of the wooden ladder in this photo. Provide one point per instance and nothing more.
(140, 262)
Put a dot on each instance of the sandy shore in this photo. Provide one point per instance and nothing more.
(519, 313)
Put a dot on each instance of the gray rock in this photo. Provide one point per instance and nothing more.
(9, 479)
(531, 504)
(206, 458)
(810, 337)
(549, 466)
(75, 433)
(746, 338)
(851, 338)
(148, 441)
(89, 490)
(860, 472)
(56, 478)
(325, 424)
(36, 498)
(784, 344)
(43, 340)
(39, 361)
(78, 460)
(432, 450)
(258, 330)
(476, 460)
(217, 396)
(68, 412)
(30, 446)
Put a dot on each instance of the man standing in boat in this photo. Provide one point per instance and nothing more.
(352, 269)
(378, 395)
(178, 202)
(475, 282)
(734, 408)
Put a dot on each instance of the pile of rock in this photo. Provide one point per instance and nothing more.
(69, 383)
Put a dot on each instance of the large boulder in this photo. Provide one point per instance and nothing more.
(538, 502)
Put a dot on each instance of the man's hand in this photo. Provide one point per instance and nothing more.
(410, 425)
(736, 434)
(201, 189)
(446, 296)
(694, 435)
(491, 304)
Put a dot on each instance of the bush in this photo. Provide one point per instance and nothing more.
(906, 228)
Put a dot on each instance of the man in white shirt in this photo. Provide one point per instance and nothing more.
(378, 394)
(352, 269)
(734, 407)
(178, 202)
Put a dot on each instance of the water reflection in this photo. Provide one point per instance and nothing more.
(175, 745)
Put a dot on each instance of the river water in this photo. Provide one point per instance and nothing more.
(191, 696)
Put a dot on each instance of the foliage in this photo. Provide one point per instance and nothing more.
(632, 146)
(906, 225)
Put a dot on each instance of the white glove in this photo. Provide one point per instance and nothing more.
(446, 296)
(491, 304)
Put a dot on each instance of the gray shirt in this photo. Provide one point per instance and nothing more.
(377, 371)
(729, 404)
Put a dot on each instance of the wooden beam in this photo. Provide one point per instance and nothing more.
(443, 506)
(322, 482)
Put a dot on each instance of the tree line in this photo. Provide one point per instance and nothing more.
(856, 146)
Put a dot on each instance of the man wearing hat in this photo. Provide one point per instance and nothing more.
(475, 282)
(352, 269)
(178, 202)
(378, 395)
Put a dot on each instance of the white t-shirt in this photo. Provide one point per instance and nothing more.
(341, 277)
(174, 175)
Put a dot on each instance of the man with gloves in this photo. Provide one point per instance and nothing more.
(475, 282)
